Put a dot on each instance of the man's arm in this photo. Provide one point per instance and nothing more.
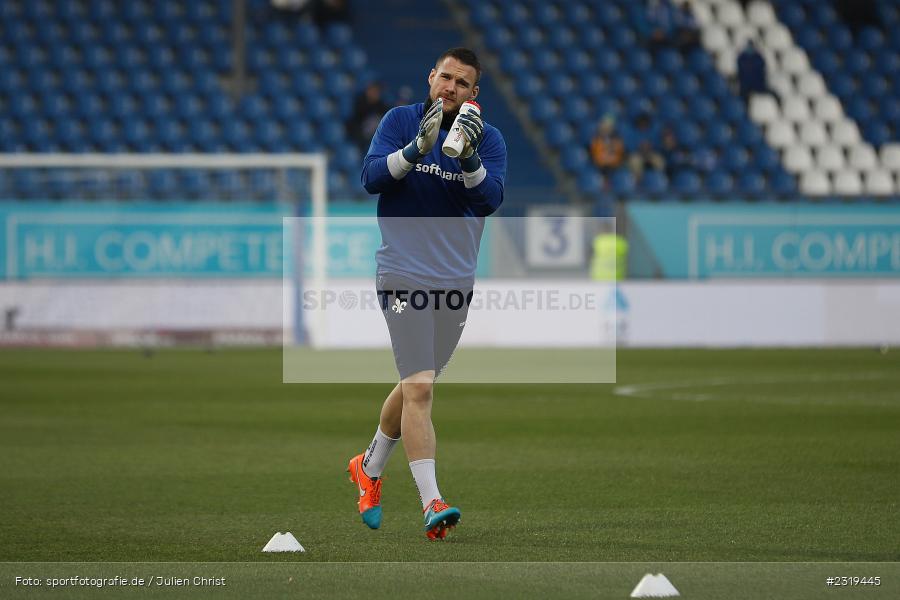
(484, 173)
(376, 177)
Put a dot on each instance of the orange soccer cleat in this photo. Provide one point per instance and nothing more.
(440, 518)
(369, 493)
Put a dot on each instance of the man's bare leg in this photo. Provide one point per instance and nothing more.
(420, 443)
(418, 433)
(415, 423)
(391, 411)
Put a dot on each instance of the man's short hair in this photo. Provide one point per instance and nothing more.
(463, 55)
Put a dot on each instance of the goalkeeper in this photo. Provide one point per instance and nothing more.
(431, 211)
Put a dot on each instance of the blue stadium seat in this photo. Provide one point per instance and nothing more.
(609, 62)
(857, 61)
(499, 38)
(687, 85)
(889, 108)
(483, 15)
(559, 134)
(543, 109)
(300, 134)
(578, 109)
(876, 132)
(548, 15)
(348, 158)
(653, 183)
(767, 160)
(655, 84)
(638, 61)
(124, 106)
(623, 38)
(811, 38)
(688, 133)
(575, 158)
(203, 131)
(860, 109)
(531, 38)
(783, 184)
(875, 85)
(670, 61)
(513, 60)
(353, 60)
(516, 14)
(547, 62)
(593, 85)
(687, 182)
(622, 182)
(562, 37)
(590, 182)
(871, 39)
(561, 85)
(163, 183)
(719, 134)
(887, 62)
(592, 39)
(752, 183)
(624, 84)
(720, 183)
(735, 159)
(670, 108)
(792, 14)
(703, 109)
(733, 110)
(331, 133)
(577, 13)
(529, 85)
(578, 62)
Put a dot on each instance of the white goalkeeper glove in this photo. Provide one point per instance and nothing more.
(473, 128)
(429, 127)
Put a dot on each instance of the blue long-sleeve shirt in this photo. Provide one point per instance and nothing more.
(416, 244)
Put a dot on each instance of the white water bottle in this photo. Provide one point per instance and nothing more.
(456, 139)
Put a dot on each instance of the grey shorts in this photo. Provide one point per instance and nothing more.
(425, 323)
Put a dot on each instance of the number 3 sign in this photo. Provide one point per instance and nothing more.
(554, 237)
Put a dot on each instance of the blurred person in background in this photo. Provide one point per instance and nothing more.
(677, 157)
(425, 253)
(368, 108)
(326, 12)
(858, 13)
(642, 141)
(751, 72)
(607, 149)
(687, 31)
(654, 22)
(294, 6)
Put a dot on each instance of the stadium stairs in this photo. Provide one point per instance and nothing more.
(403, 49)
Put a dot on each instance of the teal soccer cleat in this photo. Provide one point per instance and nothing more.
(440, 518)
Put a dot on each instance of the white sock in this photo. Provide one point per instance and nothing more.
(377, 454)
(423, 473)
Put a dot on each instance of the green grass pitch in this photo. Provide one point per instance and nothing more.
(188, 456)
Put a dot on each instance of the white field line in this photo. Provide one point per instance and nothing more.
(669, 390)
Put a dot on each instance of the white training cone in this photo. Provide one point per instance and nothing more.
(654, 586)
(283, 542)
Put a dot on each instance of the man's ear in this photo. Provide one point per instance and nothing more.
(431, 76)
(475, 91)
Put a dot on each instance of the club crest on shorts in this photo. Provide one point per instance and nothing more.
(398, 306)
